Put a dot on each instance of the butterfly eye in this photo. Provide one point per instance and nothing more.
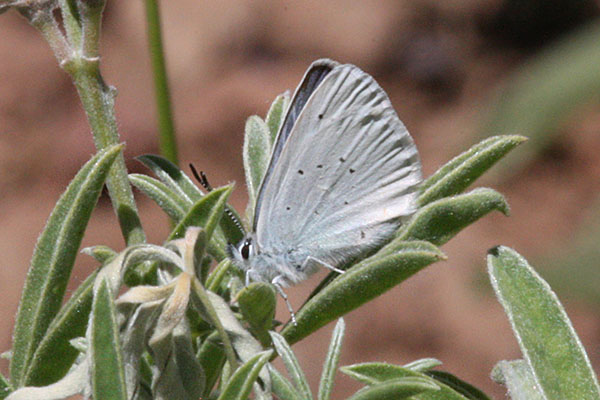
(246, 248)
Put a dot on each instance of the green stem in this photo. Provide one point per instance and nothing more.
(229, 352)
(91, 18)
(71, 22)
(98, 101)
(167, 142)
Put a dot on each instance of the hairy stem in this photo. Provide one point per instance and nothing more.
(98, 101)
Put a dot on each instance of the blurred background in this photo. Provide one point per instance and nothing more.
(456, 72)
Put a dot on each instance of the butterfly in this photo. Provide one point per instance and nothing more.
(342, 177)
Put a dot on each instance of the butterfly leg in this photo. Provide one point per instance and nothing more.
(252, 276)
(311, 259)
(278, 283)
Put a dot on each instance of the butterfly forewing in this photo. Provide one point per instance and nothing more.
(345, 175)
(312, 78)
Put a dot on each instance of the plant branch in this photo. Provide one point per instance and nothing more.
(98, 101)
(167, 142)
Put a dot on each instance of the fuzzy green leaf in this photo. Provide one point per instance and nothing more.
(459, 173)
(518, 379)
(5, 387)
(547, 339)
(276, 114)
(245, 345)
(441, 220)
(282, 388)
(257, 303)
(54, 257)
(240, 384)
(172, 176)
(376, 373)
(291, 364)
(402, 388)
(207, 213)
(107, 372)
(458, 385)
(257, 152)
(361, 283)
(423, 365)
(55, 355)
(102, 254)
(212, 358)
(217, 276)
(166, 198)
(331, 361)
(185, 188)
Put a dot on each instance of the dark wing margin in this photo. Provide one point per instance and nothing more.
(313, 77)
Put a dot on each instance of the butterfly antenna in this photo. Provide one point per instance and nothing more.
(203, 180)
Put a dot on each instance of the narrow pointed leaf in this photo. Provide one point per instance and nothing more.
(176, 372)
(460, 172)
(55, 355)
(216, 277)
(185, 188)
(441, 220)
(331, 361)
(282, 388)
(423, 365)
(257, 152)
(240, 384)
(291, 364)
(190, 371)
(547, 339)
(257, 303)
(75, 382)
(276, 114)
(207, 213)
(5, 387)
(173, 309)
(134, 338)
(172, 176)
(402, 388)
(518, 379)
(53, 259)
(107, 373)
(245, 345)
(102, 254)
(173, 204)
(211, 357)
(376, 373)
(458, 385)
(361, 283)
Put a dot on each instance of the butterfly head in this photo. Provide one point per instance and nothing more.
(242, 253)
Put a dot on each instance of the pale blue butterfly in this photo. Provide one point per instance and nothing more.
(342, 178)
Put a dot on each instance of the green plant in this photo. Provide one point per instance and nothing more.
(187, 330)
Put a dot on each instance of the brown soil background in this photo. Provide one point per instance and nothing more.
(440, 64)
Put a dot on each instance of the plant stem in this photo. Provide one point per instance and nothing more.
(167, 142)
(98, 101)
